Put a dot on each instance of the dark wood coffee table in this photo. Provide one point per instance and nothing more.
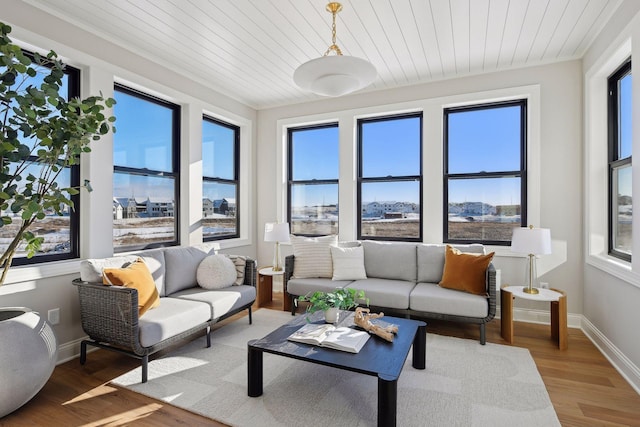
(377, 358)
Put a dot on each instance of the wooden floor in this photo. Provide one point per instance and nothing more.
(584, 388)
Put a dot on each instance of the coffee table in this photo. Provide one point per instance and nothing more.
(377, 358)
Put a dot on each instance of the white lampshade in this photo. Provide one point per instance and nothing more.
(528, 240)
(276, 232)
(334, 75)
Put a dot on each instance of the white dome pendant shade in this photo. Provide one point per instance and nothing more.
(334, 75)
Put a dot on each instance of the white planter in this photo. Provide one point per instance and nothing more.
(28, 354)
(331, 315)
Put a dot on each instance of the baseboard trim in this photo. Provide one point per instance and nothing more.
(71, 350)
(623, 365)
(542, 317)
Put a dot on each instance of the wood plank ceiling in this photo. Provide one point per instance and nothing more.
(248, 49)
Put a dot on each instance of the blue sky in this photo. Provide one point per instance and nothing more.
(479, 140)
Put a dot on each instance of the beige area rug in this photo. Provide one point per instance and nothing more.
(464, 384)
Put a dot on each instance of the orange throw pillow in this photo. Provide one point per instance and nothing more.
(135, 275)
(465, 271)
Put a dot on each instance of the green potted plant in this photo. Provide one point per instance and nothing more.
(332, 302)
(41, 134)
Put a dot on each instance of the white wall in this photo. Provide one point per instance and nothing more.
(49, 286)
(611, 287)
(557, 139)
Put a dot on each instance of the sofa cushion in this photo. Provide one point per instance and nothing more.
(181, 265)
(431, 260)
(431, 298)
(387, 260)
(312, 256)
(215, 272)
(385, 292)
(305, 286)
(348, 263)
(172, 317)
(465, 272)
(220, 301)
(137, 276)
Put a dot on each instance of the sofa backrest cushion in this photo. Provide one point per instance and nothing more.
(431, 260)
(390, 260)
(181, 264)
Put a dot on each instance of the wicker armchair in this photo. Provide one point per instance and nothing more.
(109, 316)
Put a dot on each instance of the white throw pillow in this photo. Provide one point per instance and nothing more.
(312, 256)
(348, 263)
(216, 272)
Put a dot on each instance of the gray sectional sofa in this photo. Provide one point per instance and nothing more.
(109, 314)
(403, 277)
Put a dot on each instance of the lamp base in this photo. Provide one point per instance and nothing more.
(528, 290)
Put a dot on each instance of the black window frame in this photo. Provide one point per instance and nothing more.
(236, 179)
(73, 91)
(291, 182)
(522, 173)
(389, 178)
(175, 174)
(613, 149)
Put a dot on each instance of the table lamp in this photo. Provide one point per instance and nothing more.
(531, 241)
(277, 232)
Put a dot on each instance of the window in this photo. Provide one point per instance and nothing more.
(220, 164)
(620, 147)
(60, 233)
(485, 176)
(146, 171)
(390, 178)
(313, 180)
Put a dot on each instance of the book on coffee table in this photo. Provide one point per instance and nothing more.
(326, 335)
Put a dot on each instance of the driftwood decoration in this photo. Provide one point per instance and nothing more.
(362, 319)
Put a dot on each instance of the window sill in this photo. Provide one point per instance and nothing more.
(616, 267)
(22, 278)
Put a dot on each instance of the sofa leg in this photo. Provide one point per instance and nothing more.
(208, 336)
(83, 352)
(250, 318)
(145, 366)
(483, 335)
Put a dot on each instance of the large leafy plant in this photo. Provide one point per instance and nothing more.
(343, 299)
(41, 133)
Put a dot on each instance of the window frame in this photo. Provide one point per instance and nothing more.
(614, 162)
(405, 178)
(73, 90)
(235, 181)
(175, 173)
(291, 182)
(522, 172)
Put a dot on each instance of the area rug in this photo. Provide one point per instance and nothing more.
(464, 384)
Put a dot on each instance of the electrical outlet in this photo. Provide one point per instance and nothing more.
(54, 316)
(544, 285)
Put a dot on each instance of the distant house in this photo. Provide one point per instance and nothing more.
(128, 207)
(381, 209)
(225, 206)
(207, 207)
(159, 207)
